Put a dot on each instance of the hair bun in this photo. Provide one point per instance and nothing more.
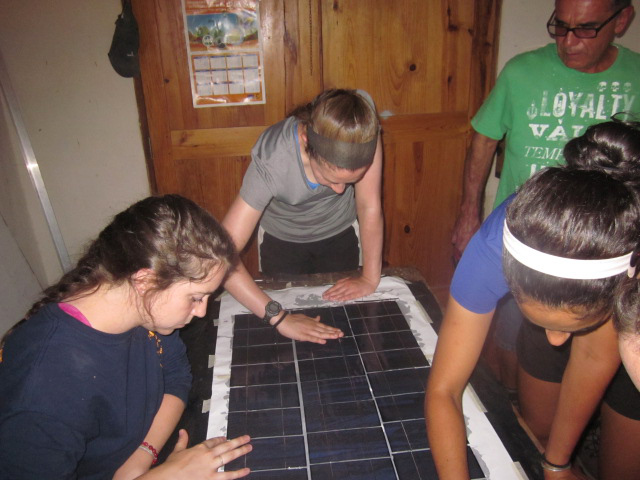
(612, 147)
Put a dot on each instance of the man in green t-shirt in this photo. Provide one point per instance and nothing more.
(542, 99)
(545, 97)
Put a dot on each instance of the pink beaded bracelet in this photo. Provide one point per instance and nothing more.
(147, 447)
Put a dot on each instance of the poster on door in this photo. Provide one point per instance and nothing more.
(224, 50)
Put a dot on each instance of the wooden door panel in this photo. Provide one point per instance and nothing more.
(302, 48)
(421, 194)
(411, 56)
(155, 98)
(212, 142)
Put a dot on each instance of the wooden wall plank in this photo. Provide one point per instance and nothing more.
(418, 204)
(214, 142)
(408, 128)
(486, 34)
(412, 56)
(303, 52)
(154, 93)
(273, 30)
(457, 52)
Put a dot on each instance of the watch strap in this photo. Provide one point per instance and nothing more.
(286, 312)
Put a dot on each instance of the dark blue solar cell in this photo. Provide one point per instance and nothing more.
(395, 434)
(420, 465)
(265, 423)
(321, 418)
(378, 469)
(326, 368)
(372, 309)
(401, 407)
(397, 382)
(340, 320)
(239, 356)
(263, 374)
(340, 445)
(295, 474)
(400, 322)
(347, 389)
(353, 311)
(386, 341)
(272, 453)
(334, 348)
(263, 396)
(245, 321)
(392, 308)
(358, 326)
(394, 360)
(260, 334)
(371, 362)
(240, 338)
(415, 465)
(265, 335)
(270, 353)
(378, 325)
(407, 435)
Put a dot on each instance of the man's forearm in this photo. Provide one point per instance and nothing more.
(476, 170)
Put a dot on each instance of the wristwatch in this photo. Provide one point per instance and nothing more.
(272, 309)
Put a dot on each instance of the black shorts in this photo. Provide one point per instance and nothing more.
(623, 396)
(545, 362)
(339, 253)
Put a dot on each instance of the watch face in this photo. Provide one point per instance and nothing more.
(273, 308)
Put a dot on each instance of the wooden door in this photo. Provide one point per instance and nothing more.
(427, 64)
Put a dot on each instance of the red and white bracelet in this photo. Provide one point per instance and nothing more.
(147, 447)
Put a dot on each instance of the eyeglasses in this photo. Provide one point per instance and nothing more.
(560, 30)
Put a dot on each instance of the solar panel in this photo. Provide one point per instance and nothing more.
(350, 409)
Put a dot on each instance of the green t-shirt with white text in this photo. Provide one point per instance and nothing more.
(540, 104)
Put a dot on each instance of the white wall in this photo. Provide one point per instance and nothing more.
(18, 284)
(524, 28)
(82, 120)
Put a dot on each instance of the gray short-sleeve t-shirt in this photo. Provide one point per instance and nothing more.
(275, 183)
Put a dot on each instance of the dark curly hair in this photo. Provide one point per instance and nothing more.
(169, 234)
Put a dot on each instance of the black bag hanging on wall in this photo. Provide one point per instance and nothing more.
(123, 53)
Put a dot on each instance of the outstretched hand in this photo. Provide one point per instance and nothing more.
(350, 288)
(300, 327)
(203, 460)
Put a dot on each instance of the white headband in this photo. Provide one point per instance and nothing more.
(564, 267)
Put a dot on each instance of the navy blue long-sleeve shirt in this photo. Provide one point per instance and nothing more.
(76, 402)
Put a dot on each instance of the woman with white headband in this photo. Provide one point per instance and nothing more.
(311, 176)
(561, 245)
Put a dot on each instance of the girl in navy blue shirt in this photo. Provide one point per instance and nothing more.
(94, 380)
